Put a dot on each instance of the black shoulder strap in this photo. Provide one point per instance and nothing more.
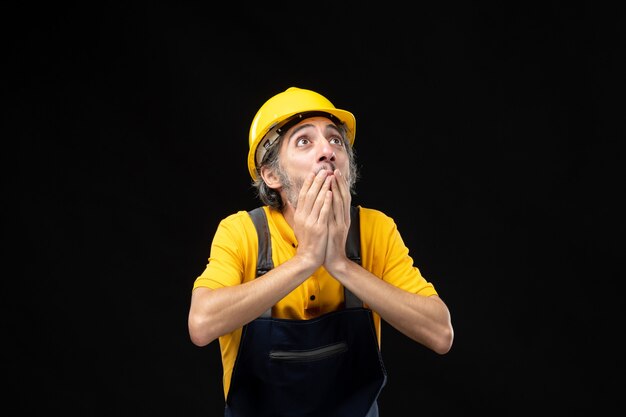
(353, 251)
(353, 243)
(265, 263)
(264, 260)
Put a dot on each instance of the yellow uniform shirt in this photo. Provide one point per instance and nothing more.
(233, 261)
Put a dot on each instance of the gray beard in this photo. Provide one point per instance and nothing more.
(292, 187)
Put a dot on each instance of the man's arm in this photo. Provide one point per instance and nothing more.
(425, 319)
(214, 313)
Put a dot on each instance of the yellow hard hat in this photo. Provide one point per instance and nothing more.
(283, 107)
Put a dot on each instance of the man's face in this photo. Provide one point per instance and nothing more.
(310, 146)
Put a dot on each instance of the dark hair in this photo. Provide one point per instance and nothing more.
(271, 159)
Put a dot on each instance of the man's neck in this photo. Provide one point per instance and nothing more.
(288, 213)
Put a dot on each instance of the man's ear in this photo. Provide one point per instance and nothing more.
(271, 179)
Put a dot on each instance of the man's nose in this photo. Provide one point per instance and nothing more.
(326, 152)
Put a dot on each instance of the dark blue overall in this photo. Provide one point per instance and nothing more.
(329, 366)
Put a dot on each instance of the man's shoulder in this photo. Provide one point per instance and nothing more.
(372, 215)
(236, 216)
(239, 218)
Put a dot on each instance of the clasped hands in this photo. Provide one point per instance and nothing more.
(322, 218)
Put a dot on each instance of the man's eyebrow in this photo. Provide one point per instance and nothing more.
(332, 126)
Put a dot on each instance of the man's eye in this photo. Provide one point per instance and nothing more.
(302, 141)
(336, 140)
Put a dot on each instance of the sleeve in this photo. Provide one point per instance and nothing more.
(229, 255)
(391, 259)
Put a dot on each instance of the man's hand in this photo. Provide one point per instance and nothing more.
(338, 222)
(312, 215)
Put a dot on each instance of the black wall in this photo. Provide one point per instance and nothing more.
(491, 133)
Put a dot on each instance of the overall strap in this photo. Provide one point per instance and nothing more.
(353, 251)
(265, 263)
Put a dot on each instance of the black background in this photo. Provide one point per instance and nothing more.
(491, 133)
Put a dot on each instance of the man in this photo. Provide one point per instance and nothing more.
(297, 305)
